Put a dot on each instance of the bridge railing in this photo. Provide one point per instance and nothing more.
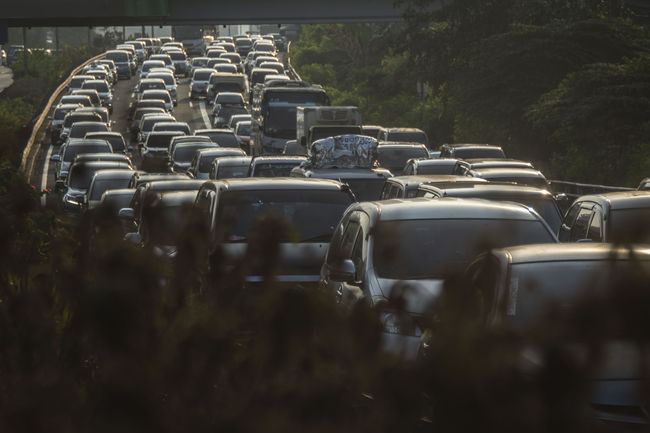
(40, 122)
(293, 74)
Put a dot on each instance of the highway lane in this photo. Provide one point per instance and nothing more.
(195, 113)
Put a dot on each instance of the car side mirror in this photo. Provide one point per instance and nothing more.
(126, 214)
(55, 158)
(345, 272)
(133, 238)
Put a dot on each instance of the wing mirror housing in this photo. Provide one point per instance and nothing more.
(345, 272)
(126, 213)
(55, 158)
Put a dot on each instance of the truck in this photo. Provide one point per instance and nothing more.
(274, 113)
(315, 123)
(193, 38)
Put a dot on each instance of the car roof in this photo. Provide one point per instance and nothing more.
(621, 200)
(210, 70)
(389, 130)
(435, 161)
(348, 173)
(152, 80)
(278, 183)
(174, 198)
(67, 107)
(86, 141)
(507, 171)
(479, 145)
(433, 179)
(114, 174)
(175, 182)
(462, 189)
(397, 145)
(278, 159)
(233, 160)
(572, 252)
(88, 124)
(121, 191)
(219, 151)
(446, 208)
(104, 165)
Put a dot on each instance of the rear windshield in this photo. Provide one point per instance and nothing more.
(199, 62)
(408, 137)
(177, 55)
(442, 169)
(80, 131)
(101, 186)
(139, 113)
(81, 176)
(226, 140)
(244, 129)
(72, 151)
(118, 57)
(159, 141)
(230, 99)
(59, 114)
(157, 95)
(419, 249)
(78, 117)
(100, 87)
(170, 126)
(227, 87)
(76, 83)
(366, 189)
(151, 86)
(395, 159)
(186, 153)
(167, 78)
(149, 123)
(232, 171)
(312, 215)
(275, 170)
(202, 75)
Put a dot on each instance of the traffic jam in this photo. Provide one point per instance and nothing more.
(368, 209)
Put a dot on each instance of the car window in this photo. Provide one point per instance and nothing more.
(357, 255)
(595, 232)
(385, 193)
(569, 219)
(579, 228)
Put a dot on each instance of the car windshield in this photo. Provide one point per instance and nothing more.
(629, 225)
(436, 248)
(186, 153)
(170, 126)
(177, 55)
(117, 57)
(478, 153)
(232, 171)
(281, 122)
(158, 95)
(408, 137)
(366, 189)
(159, 141)
(395, 159)
(163, 225)
(101, 87)
(313, 215)
(72, 151)
(275, 170)
(199, 62)
(244, 129)
(226, 140)
(80, 131)
(202, 75)
(167, 78)
(227, 87)
(151, 86)
(99, 187)
(78, 117)
(149, 123)
(80, 176)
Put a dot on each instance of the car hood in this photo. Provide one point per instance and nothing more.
(296, 263)
(418, 295)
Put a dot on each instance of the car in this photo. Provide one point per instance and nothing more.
(166, 59)
(181, 62)
(227, 83)
(539, 199)
(102, 112)
(311, 209)
(197, 63)
(471, 151)
(257, 76)
(148, 65)
(202, 162)
(465, 165)
(164, 219)
(77, 81)
(73, 117)
(235, 59)
(58, 118)
(243, 46)
(141, 178)
(619, 217)
(434, 166)
(131, 215)
(274, 166)
(226, 68)
(105, 180)
(228, 99)
(359, 173)
(69, 151)
(146, 103)
(272, 79)
(92, 94)
(236, 118)
(183, 127)
(184, 139)
(521, 289)
(223, 137)
(103, 156)
(134, 127)
(644, 185)
(200, 82)
(122, 63)
(170, 83)
(148, 84)
(155, 156)
(82, 100)
(230, 167)
(522, 176)
(217, 60)
(224, 112)
(159, 95)
(399, 187)
(79, 180)
(118, 144)
(80, 129)
(405, 249)
(407, 135)
(393, 156)
(372, 131)
(148, 121)
(243, 133)
(214, 53)
(181, 156)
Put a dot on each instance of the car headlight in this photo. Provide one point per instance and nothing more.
(72, 200)
(399, 323)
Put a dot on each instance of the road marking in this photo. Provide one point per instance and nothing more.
(204, 114)
(46, 170)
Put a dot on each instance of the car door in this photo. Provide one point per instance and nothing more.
(340, 250)
(356, 250)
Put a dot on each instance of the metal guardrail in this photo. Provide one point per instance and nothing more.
(292, 72)
(575, 190)
(42, 118)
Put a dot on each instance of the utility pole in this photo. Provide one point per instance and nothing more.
(123, 34)
(56, 36)
(142, 36)
(25, 50)
(151, 32)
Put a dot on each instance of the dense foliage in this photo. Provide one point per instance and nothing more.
(522, 74)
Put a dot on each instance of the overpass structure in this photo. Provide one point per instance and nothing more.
(19, 13)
